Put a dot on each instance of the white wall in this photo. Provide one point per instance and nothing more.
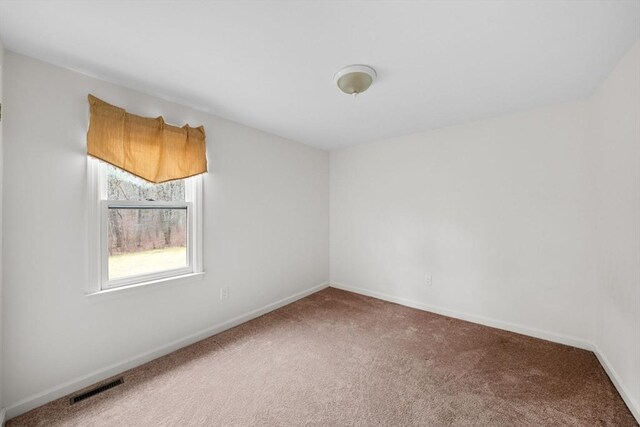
(499, 212)
(528, 222)
(265, 236)
(616, 160)
(1, 174)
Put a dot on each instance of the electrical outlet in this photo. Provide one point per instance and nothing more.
(224, 292)
(428, 280)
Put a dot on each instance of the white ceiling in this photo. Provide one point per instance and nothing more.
(270, 64)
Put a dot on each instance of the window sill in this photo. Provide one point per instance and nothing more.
(185, 278)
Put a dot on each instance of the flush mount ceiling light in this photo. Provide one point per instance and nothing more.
(355, 79)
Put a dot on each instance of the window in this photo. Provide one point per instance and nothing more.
(142, 232)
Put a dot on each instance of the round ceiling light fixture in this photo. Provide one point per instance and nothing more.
(355, 79)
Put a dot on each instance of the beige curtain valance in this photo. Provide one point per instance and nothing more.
(146, 147)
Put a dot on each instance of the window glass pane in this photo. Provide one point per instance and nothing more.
(146, 240)
(122, 185)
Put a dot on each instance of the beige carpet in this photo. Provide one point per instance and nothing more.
(340, 359)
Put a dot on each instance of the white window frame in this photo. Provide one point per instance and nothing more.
(98, 211)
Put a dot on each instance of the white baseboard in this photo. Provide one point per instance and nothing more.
(487, 321)
(76, 384)
(633, 405)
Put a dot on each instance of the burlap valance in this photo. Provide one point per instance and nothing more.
(146, 147)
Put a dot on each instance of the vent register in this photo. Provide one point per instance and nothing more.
(96, 390)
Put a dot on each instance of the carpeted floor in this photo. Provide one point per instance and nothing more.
(340, 359)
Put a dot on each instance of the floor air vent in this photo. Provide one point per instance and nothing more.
(97, 390)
